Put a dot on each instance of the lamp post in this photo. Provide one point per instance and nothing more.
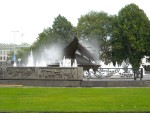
(14, 57)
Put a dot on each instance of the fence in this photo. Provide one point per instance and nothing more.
(113, 73)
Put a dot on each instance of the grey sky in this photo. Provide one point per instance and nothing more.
(30, 17)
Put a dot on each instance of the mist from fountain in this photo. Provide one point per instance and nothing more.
(67, 63)
(31, 63)
(30, 60)
(42, 61)
(75, 63)
(15, 64)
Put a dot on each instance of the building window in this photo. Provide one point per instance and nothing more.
(0, 52)
(0, 58)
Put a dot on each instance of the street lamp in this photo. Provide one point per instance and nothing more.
(14, 57)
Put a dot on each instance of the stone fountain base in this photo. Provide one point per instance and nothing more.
(41, 76)
(57, 77)
(52, 73)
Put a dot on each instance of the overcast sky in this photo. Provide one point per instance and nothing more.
(30, 17)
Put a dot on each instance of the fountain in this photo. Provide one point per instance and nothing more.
(64, 63)
(67, 63)
(30, 60)
(76, 55)
(31, 63)
(70, 68)
(15, 64)
(65, 68)
(75, 63)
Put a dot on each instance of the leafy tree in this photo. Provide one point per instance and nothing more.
(97, 25)
(131, 36)
(62, 28)
(61, 31)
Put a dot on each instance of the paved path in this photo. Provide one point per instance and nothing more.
(10, 85)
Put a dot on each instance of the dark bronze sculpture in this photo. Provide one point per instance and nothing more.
(74, 50)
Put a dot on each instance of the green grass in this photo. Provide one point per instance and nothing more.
(22, 99)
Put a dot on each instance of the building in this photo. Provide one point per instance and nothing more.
(146, 65)
(5, 49)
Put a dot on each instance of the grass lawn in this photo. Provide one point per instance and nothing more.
(23, 99)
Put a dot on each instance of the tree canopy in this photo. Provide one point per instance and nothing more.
(97, 25)
(62, 28)
(61, 31)
(130, 36)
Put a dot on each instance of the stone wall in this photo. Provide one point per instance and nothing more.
(71, 83)
(56, 73)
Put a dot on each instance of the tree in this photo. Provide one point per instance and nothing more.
(61, 31)
(97, 26)
(62, 28)
(130, 36)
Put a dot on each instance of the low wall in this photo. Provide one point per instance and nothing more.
(63, 73)
(70, 83)
(113, 84)
(40, 82)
